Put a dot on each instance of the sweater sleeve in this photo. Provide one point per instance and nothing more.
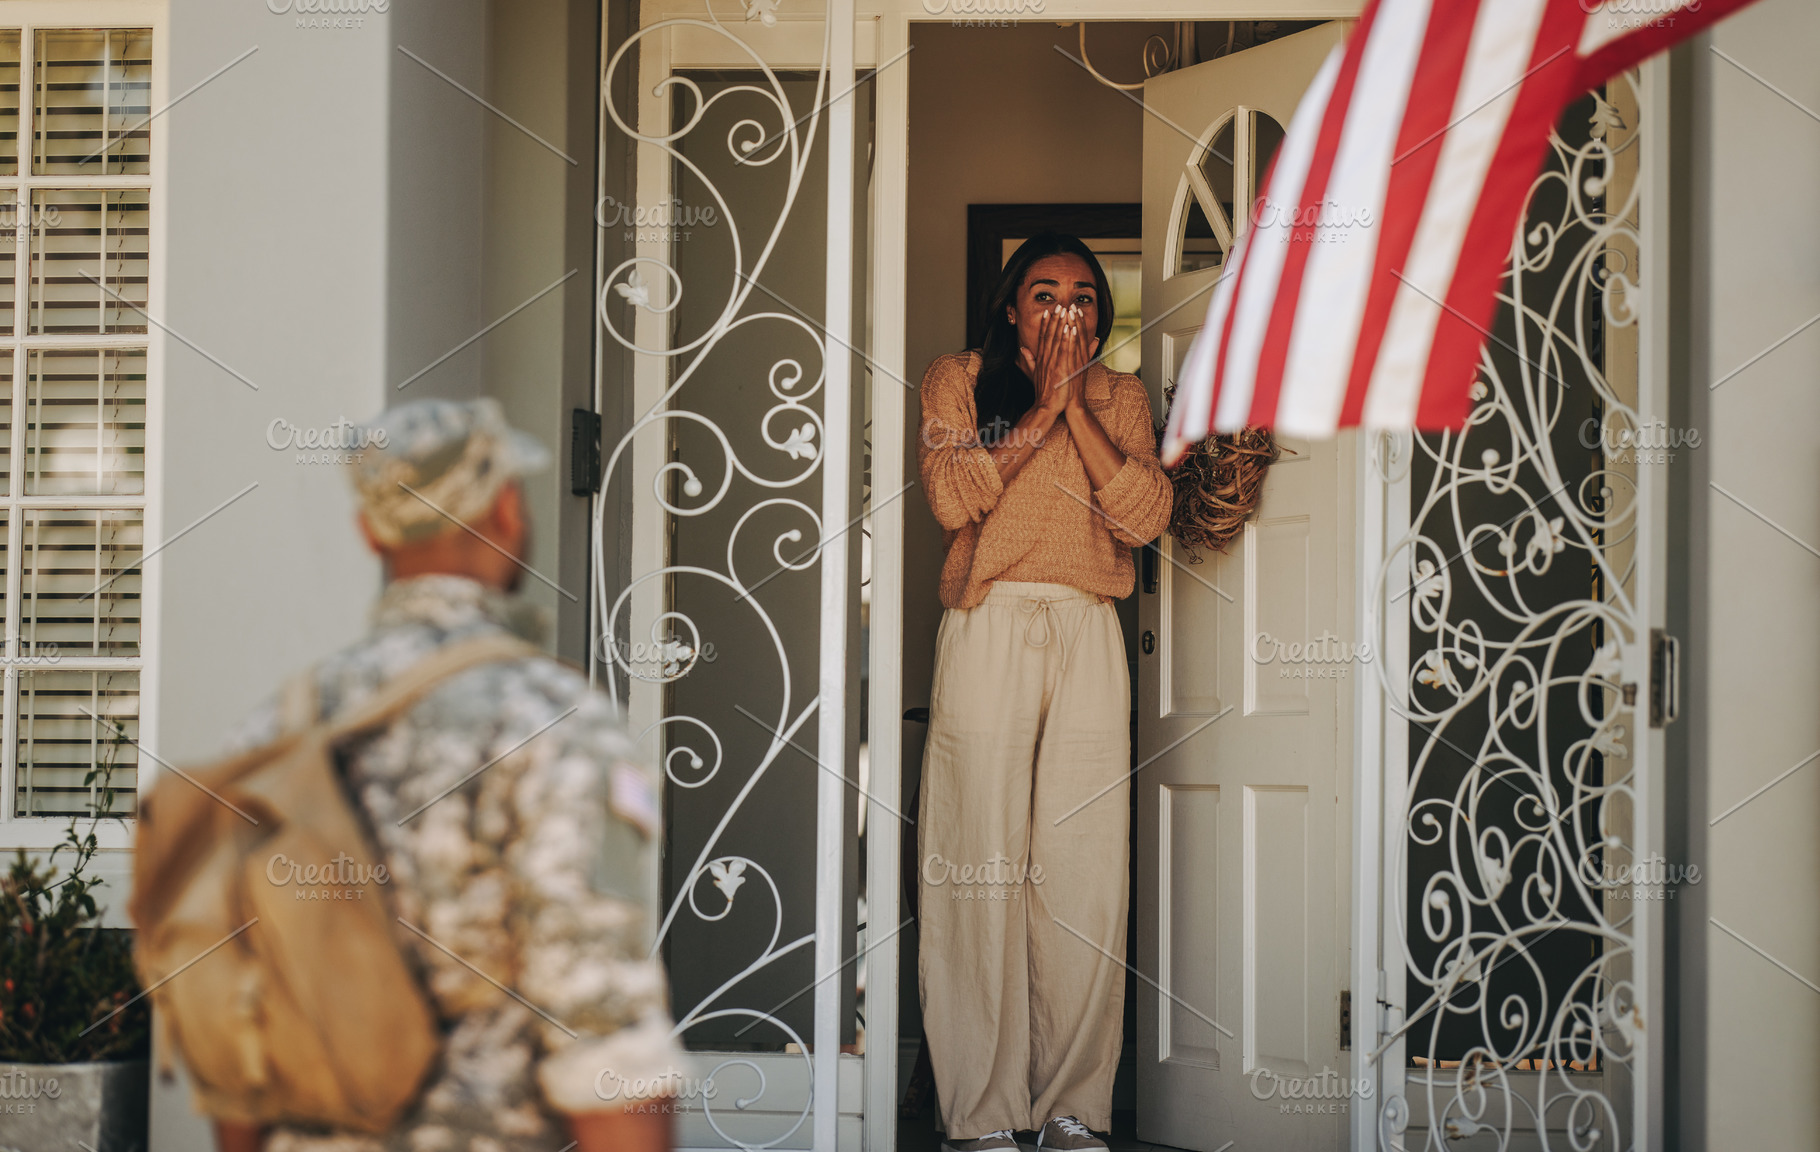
(959, 479)
(1139, 498)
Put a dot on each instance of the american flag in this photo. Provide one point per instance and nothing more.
(1428, 126)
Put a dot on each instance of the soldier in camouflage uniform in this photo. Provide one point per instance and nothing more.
(518, 827)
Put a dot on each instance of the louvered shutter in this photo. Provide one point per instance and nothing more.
(75, 176)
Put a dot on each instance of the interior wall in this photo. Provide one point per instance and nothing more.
(1753, 920)
(997, 116)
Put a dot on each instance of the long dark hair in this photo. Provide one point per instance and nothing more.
(1003, 392)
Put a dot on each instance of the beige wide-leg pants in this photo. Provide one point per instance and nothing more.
(1023, 841)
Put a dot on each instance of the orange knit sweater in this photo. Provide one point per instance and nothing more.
(1049, 525)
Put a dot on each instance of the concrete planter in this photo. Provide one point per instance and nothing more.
(98, 1106)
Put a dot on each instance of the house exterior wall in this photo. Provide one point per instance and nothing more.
(299, 251)
(538, 225)
(276, 260)
(1749, 933)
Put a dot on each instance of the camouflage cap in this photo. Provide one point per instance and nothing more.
(430, 460)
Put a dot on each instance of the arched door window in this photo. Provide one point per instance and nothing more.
(1231, 157)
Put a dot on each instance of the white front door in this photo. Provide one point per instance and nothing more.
(1245, 708)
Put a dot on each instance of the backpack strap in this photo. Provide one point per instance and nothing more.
(411, 685)
(298, 703)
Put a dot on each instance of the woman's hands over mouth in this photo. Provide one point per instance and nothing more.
(1059, 362)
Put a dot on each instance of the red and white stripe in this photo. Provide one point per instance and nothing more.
(1425, 130)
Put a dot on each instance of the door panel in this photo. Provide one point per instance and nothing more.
(1277, 883)
(1192, 610)
(1276, 606)
(1238, 842)
(1189, 927)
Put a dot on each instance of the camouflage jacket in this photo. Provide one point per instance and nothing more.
(531, 882)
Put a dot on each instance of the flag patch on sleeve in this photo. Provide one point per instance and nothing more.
(632, 795)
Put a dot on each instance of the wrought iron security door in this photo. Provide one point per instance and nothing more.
(725, 573)
(1514, 599)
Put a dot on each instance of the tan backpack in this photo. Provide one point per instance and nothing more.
(264, 932)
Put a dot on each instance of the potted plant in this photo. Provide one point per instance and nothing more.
(74, 1029)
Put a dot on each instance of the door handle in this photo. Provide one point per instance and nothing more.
(1147, 642)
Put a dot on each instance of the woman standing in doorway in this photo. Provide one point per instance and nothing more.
(1040, 464)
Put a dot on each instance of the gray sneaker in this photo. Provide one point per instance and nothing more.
(1066, 1134)
(1000, 1141)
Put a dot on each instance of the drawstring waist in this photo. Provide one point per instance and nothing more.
(1011, 592)
(1041, 602)
(1042, 608)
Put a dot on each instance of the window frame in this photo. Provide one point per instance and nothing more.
(36, 833)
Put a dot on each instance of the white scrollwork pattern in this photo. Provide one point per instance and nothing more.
(1520, 787)
(793, 435)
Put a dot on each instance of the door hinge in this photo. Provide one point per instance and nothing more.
(1346, 1020)
(1664, 678)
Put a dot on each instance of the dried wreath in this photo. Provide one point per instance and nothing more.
(1217, 486)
